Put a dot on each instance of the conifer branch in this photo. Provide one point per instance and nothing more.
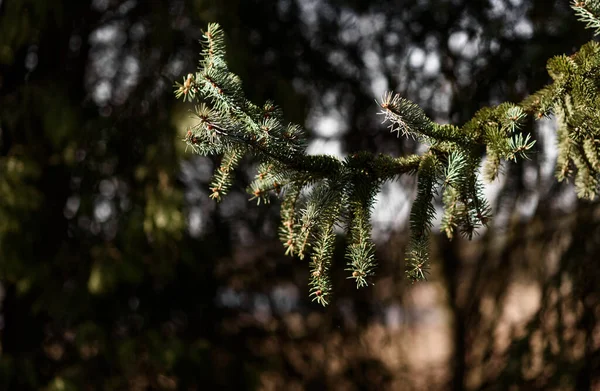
(320, 192)
(289, 225)
(587, 12)
(421, 217)
(364, 182)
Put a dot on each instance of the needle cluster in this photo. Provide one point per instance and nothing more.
(320, 192)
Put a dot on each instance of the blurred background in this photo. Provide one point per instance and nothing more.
(117, 272)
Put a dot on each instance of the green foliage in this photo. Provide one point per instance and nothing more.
(587, 11)
(319, 192)
(574, 99)
(421, 217)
